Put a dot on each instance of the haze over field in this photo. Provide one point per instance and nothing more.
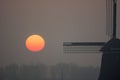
(57, 21)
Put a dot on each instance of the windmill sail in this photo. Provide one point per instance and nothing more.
(93, 47)
(109, 18)
(82, 47)
(113, 43)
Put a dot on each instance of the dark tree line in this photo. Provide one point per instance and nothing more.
(59, 71)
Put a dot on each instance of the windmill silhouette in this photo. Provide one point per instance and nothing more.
(110, 64)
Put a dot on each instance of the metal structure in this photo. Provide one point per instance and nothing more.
(110, 64)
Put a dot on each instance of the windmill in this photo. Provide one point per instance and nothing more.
(110, 64)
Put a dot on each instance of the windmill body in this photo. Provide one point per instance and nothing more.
(110, 64)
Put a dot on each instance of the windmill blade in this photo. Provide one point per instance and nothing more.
(82, 47)
(109, 18)
(111, 11)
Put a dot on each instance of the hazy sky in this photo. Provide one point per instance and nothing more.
(57, 21)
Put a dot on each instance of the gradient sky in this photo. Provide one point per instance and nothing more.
(57, 21)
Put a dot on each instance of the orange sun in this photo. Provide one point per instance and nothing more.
(35, 43)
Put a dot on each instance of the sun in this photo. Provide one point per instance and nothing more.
(35, 43)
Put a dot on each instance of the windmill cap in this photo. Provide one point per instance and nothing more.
(112, 45)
